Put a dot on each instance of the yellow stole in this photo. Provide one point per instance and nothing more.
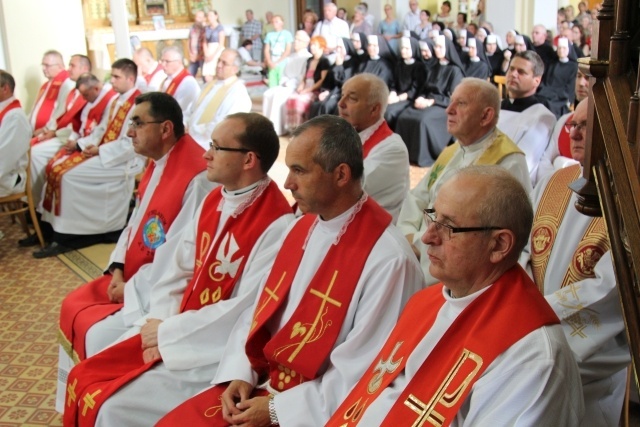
(213, 106)
(549, 214)
(500, 147)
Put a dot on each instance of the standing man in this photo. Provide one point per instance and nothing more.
(86, 198)
(197, 41)
(412, 18)
(386, 161)
(331, 297)
(252, 30)
(220, 97)
(541, 45)
(330, 28)
(15, 133)
(179, 83)
(525, 117)
(472, 116)
(202, 280)
(169, 193)
(51, 101)
(570, 261)
(456, 357)
(151, 74)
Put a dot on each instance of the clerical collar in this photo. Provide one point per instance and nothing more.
(474, 59)
(409, 61)
(563, 60)
(462, 302)
(240, 191)
(443, 62)
(481, 144)
(244, 197)
(374, 58)
(339, 224)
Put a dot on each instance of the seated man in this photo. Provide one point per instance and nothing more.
(471, 118)
(52, 96)
(15, 133)
(170, 191)
(87, 194)
(150, 72)
(220, 97)
(386, 161)
(569, 259)
(457, 355)
(331, 298)
(249, 65)
(525, 117)
(179, 82)
(200, 282)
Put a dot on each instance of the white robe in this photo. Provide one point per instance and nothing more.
(96, 193)
(551, 159)
(533, 383)
(186, 94)
(15, 134)
(600, 348)
(386, 171)
(411, 219)
(44, 151)
(155, 82)
(390, 276)
(237, 100)
(60, 106)
(530, 130)
(191, 343)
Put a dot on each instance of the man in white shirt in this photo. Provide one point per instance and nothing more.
(386, 161)
(151, 75)
(330, 28)
(179, 83)
(412, 18)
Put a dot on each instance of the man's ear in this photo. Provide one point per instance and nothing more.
(342, 174)
(503, 242)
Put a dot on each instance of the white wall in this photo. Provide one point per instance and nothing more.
(31, 27)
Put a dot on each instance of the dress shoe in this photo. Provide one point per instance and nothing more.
(52, 249)
(29, 241)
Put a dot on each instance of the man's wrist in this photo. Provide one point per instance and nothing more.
(273, 417)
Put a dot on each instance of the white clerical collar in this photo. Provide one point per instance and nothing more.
(481, 144)
(474, 59)
(463, 302)
(6, 102)
(366, 133)
(564, 60)
(374, 58)
(339, 224)
(444, 62)
(227, 194)
(241, 199)
(409, 61)
(124, 96)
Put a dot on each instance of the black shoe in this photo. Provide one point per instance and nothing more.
(51, 250)
(29, 241)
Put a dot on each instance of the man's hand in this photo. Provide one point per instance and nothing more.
(149, 333)
(150, 354)
(237, 391)
(323, 95)
(70, 146)
(90, 151)
(47, 134)
(115, 292)
(255, 413)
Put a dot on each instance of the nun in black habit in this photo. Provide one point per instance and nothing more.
(475, 61)
(380, 59)
(423, 126)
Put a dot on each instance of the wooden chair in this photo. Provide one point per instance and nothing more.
(501, 81)
(13, 204)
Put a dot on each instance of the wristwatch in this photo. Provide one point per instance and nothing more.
(273, 417)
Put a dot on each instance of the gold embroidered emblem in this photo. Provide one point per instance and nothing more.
(447, 394)
(586, 259)
(541, 239)
(205, 241)
(384, 367)
(272, 296)
(89, 401)
(285, 376)
(207, 297)
(353, 413)
(574, 313)
(71, 390)
(213, 410)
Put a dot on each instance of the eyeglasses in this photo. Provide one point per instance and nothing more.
(166, 61)
(577, 126)
(135, 124)
(445, 231)
(215, 147)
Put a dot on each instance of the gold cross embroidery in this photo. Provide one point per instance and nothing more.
(272, 296)
(325, 299)
(89, 401)
(71, 390)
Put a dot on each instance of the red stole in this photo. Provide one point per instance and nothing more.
(303, 350)
(95, 114)
(92, 381)
(564, 140)
(71, 116)
(175, 82)
(53, 189)
(148, 77)
(89, 304)
(472, 342)
(380, 134)
(12, 105)
(50, 97)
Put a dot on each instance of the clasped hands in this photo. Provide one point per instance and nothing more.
(239, 409)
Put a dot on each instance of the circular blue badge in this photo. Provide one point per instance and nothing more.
(153, 233)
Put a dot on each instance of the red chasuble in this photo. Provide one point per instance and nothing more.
(218, 267)
(95, 114)
(53, 189)
(564, 140)
(71, 116)
(379, 135)
(173, 86)
(50, 98)
(296, 353)
(12, 105)
(89, 304)
(441, 385)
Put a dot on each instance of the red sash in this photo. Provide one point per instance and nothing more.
(89, 304)
(95, 114)
(303, 351)
(96, 378)
(380, 134)
(50, 97)
(53, 189)
(173, 86)
(74, 110)
(446, 377)
(12, 105)
(148, 77)
(564, 140)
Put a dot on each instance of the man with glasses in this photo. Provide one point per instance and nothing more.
(200, 282)
(482, 347)
(472, 116)
(179, 82)
(51, 101)
(170, 190)
(87, 193)
(569, 258)
(224, 95)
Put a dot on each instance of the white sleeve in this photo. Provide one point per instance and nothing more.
(96, 135)
(15, 134)
(411, 216)
(186, 94)
(517, 166)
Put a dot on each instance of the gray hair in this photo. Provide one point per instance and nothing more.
(339, 143)
(508, 206)
(88, 80)
(485, 94)
(534, 58)
(173, 48)
(378, 91)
